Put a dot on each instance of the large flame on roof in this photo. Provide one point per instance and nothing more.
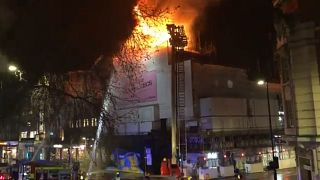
(153, 26)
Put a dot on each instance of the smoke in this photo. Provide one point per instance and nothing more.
(234, 32)
(59, 35)
(3, 63)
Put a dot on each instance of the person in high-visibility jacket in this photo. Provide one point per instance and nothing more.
(164, 169)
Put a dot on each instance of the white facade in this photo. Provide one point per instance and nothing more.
(218, 97)
(146, 115)
(231, 114)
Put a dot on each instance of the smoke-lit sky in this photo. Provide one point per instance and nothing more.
(61, 35)
(241, 31)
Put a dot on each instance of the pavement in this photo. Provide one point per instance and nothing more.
(283, 174)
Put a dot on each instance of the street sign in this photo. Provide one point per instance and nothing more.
(148, 156)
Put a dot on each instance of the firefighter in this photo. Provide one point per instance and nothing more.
(164, 169)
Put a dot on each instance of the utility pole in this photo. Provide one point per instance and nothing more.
(178, 41)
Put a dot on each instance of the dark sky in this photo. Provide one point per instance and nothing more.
(62, 35)
(240, 30)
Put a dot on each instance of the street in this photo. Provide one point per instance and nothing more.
(285, 174)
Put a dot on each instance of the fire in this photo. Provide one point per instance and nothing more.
(153, 27)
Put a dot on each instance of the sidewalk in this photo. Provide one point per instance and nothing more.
(287, 174)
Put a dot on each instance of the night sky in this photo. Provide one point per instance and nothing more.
(59, 35)
(241, 31)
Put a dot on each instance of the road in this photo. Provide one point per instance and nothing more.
(286, 174)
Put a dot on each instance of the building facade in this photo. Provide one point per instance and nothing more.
(300, 81)
(224, 114)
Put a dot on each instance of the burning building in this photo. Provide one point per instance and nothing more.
(220, 111)
(218, 104)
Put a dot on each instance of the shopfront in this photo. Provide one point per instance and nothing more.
(8, 152)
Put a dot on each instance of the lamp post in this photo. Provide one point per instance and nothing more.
(13, 68)
(274, 160)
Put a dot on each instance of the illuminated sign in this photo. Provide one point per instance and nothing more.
(212, 155)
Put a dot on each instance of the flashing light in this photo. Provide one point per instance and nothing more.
(225, 156)
(259, 152)
(83, 138)
(242, 154)
(1, 177)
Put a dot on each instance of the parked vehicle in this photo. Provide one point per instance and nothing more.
(5, 176)
(35, 170)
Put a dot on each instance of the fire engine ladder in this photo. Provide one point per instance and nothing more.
(182, 132)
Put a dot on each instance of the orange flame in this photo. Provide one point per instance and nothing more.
(154, 28)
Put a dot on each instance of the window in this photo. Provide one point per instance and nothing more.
(33, 134)
(289, 114)
(24, 134)
(79, 122)
(92, 122)
(285, 69)
(95, 122)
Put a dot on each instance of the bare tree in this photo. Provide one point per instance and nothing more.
(63, 98)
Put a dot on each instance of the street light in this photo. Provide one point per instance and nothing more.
(261, 82)
(274, 159)
(13, 68)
